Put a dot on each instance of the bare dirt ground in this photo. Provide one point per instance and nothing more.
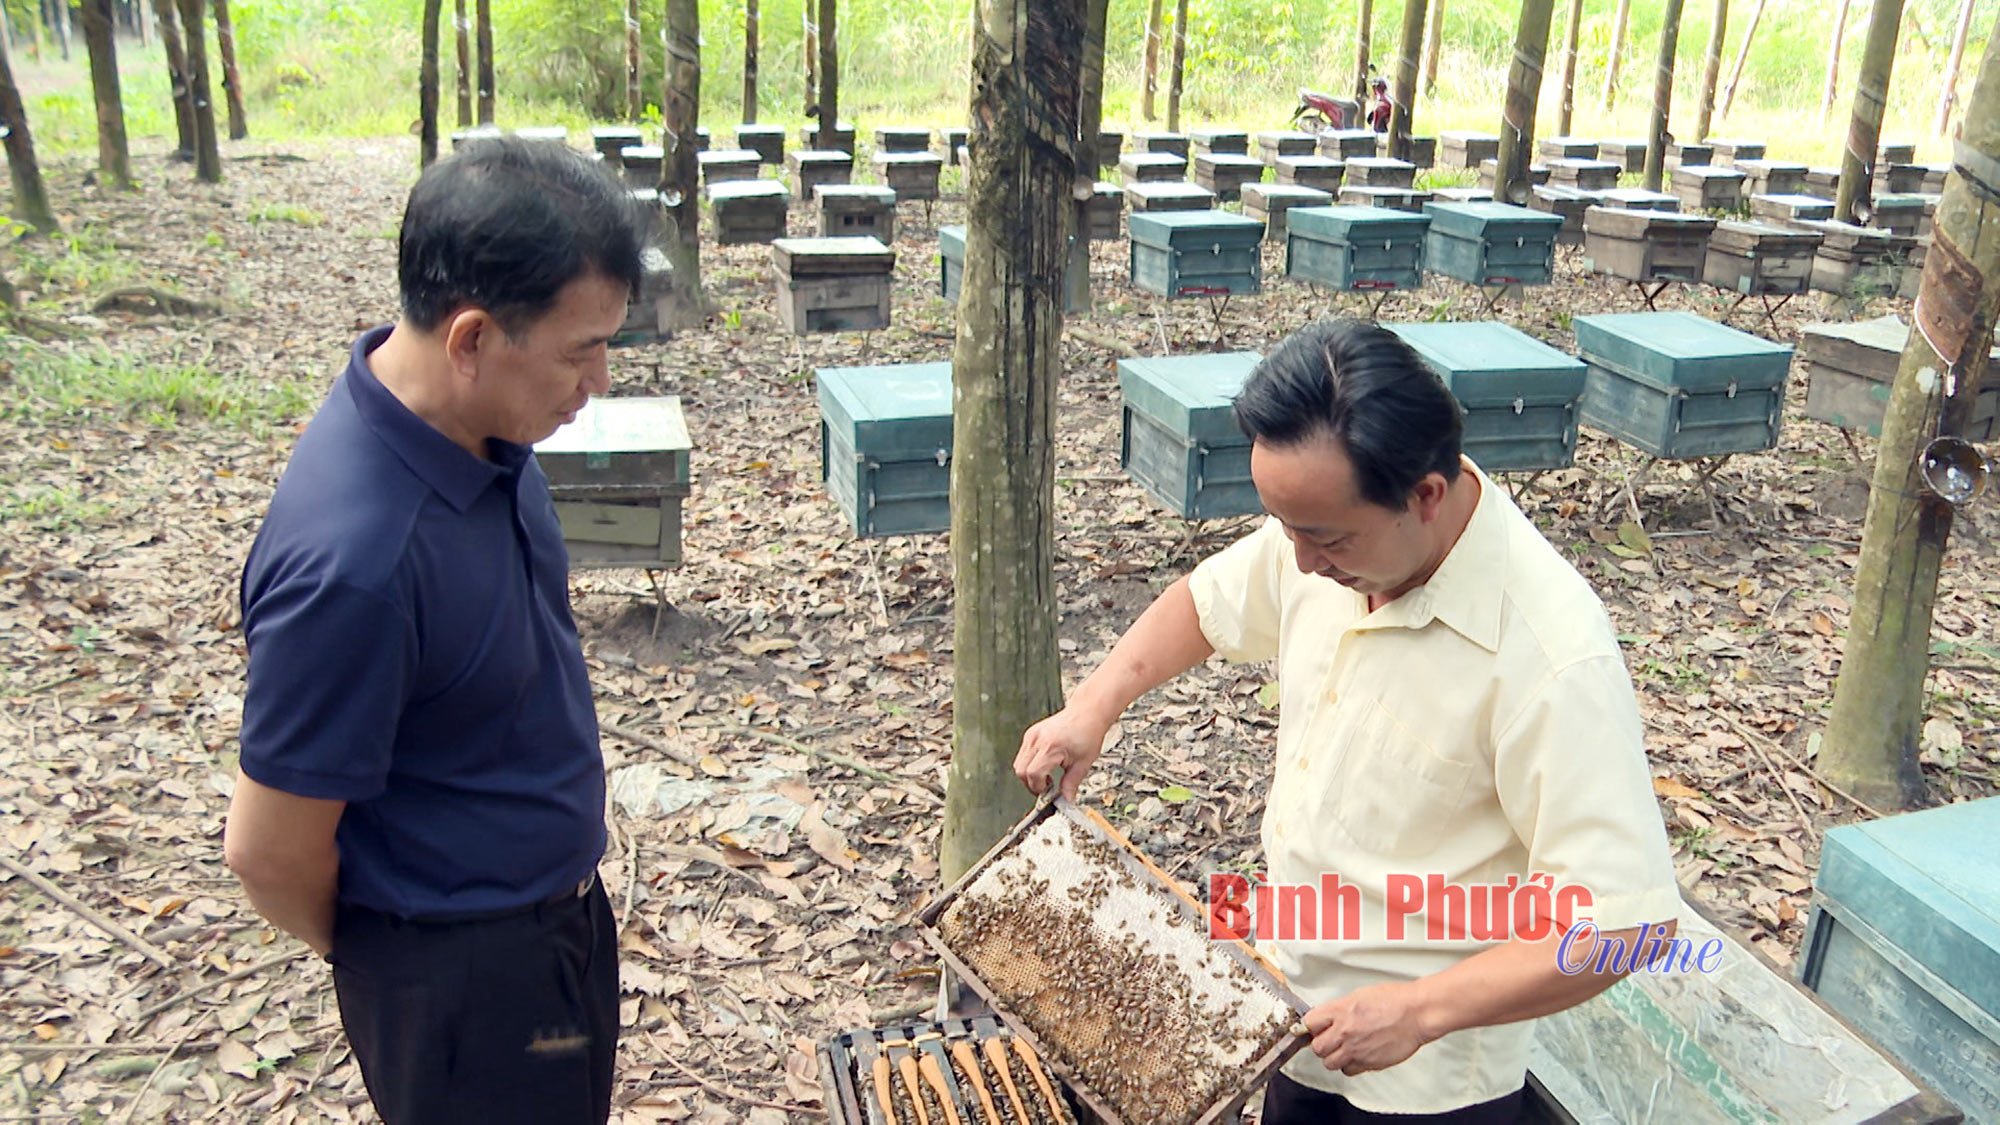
(767, 893)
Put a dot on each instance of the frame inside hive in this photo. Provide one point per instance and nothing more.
(1097, 958)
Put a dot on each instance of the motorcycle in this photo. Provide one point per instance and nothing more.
(1324, 113)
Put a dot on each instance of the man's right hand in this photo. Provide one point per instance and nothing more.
(1069, 741)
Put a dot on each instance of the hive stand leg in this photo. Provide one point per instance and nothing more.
(1375, 310)
(1215, 310)
(1160, 327)
(1854, 447)
(659, 599)
(1629, 491)
(1705, 478)
(1771, 310)
(1654, 295)
(1731, 311)
(1493, 300)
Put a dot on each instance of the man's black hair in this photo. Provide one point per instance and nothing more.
(504, 224)
(1361, 384)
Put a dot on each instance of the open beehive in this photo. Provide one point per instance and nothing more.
(1099, 961)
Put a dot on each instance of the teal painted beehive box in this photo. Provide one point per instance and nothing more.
(618, 475)
(1904, 942)
(1196, 253)
(951, 267)
(885, 446)
(1180, 440)
(1346, 247)
(1519, 395)
(1491, 243)
(1677, 386)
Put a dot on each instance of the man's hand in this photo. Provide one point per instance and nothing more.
(1068, 740)
(1372, 1028)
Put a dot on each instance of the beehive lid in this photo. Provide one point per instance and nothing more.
(1703, 173)
(1156, 135)
(897, 412)
(1849, 239)
(951, 242)
(554, 133)
(1866, 346)
(1133, 161)
(817, 156)
(1898, 152)
(854, 197)
(1150, 190)
(1577, 165)
(1929, 882)
(1210, 138)
(1210, 161)
(1623, 222)
(908, 158)
(1463, 194)
(1193, 230)
(1639, 199)
(1906, 202)
(1491, 221)
(1798, 204)
(1280, 137)
(1677, 350)
(621, 425)
(1741, 237)
(1194, 395)
(1311, 164)
(832, 257)
(1768, 167)
(893, 133)
(1263, 195)
(1487, 363)
(726, 156)
(1105, 190)
(759, 131)
(1380, 164)
(734, 190)
(641, 154)
(605, 134)
(1348, 222)
(1737, 147)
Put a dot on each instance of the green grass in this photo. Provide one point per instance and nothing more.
(48, 385)
(45, 508)
(286, 213)
(72, 263)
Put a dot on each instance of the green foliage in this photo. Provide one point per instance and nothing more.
(46, 508)
(72, 263)
(48, 385)
(286, 213)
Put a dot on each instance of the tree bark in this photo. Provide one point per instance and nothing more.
(749, 62)
(1511, 181)
(1148, 103)
(809, 45)
(482, 12)
(207, 154)
(1566, 109)
(1711, 71)
(114, 154)
(232, 82)
(59, 18)
(1433, 44)
(1950, 94)
(1177, 75)
(635, 98)
(1742, 56)
(680, 172)
(1833, 62)
(462, 34)
(1618, 24)
(177, 69)
(1403, 89)
(31, 196)
(829, 72)
(1090, 103)
(1364, 26)
(1871, 97)
(427, 86)
(1663, 96)
(1005, 366)
(1872, 736)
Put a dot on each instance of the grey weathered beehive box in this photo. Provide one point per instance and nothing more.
(610, 140)
(1569, 205)
(811, 167)
(1629, 155)
(642, 164)
(1645, 245)
(1272, 145)
(767, 141)
(1904, 942)
(1519, 395)
(1727, 152)
(1552, 149)
(838, 139)
(1706, 187)
(1907, 214)
(1180, 439)
(1760, 258)
(1173, 144)
(1678, 386)
(1583, 173)
(1196, 253)
(722, 165)
(1321, 172)
(1849, 369)
(1859, 262)
(1462, 149)
(1788, 208)
(1167, 195)
(951, 271)
(1218, 141)
(1346, 144)
(1380, 171)
(1151, 167)
(555, 134)
(1771, 177)
(902, 140)
(1422, 150)
(1268, 203)
(913, 176)
(646, 315)
(1390, 198)
(1110, 146)
(1896, 152)
(1934, 177)
(1350, 248)
(1899, 179)
(1678, 154)
(847, 210)
(1491, 243)
(953, 140)
(1824, 182)
(1225, 173)
(1639, 199)
(1104, 212)
(1461, 195)
(833, 284)
(618, 475)
(885, 446)
(748, 211)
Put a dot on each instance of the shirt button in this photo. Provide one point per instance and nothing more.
(1302, 761)
(1333, 695)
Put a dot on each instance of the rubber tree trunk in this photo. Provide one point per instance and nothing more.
(59, 19)
(1566, 109)
(462, 33)
(1403, 88)
(1177, 77)
(1433, 44)
(482, 12)
(1611, 62)
(207, 153)
(1950, 92)
(635, 96)
(1742, 57)
(427, 86)
(177, 83)
(1005, 365)
(232, 82)
(1871, 97)
(750, 62)
(809, 46)
(1511, 180)
(114, 155)
(829, 72)
(1878, 700)
(1711, 71)
(31, 196)
(1833, 62)
(1149, 102)
(1090, 102)
(1663, 95)
(680, 173)
(1364, 26)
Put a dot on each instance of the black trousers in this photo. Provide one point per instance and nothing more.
(490, 1022)
(1288, 1103)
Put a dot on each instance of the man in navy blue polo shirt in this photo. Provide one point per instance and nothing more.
(421, 794)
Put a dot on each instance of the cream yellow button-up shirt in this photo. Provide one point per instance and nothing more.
(1480, 726)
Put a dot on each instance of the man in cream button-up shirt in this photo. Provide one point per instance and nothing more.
(1454, 715)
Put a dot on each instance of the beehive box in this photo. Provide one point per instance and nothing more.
(610, 140)
(1645, 245)
(646, 315)
(1583, 174)
(848, 210)
(1151, 167)
(951, 271)
(1196, 253)
(1639, 199)
(1860, 262)
(1849, 369)
(1349, 248)
(913, 176)
(1104, 213)
(1552, 149)
(973, 1071)
(1173, 144)
(1899, 179)
(832, 284)
(1179, 438)
(767, 141)
(885, 446)
(838, 139)
(1107, 967)
(1760, 259)
(720, 166)
(1346, 144)
(1321, 172)
(1790, 208)
(1176, 195)
(1705, 187)
(902, 140)
(1934, 177)
(1267, 203)
(1491, 243)
(1389, 198)
(555, 134)
(1896, 152)
(1464, 149)
(1489, 170)
(1823, 182)
(1567, 204)
(811, 167)
(618, 474)
(953, 140)
(1461, 195)
(1675, 385)
(642, 164)
(1422, 150)
(1272, 145)
(1771, 177)
(1691, 154)
(1908, 215)
(1380, 171)
(1629, 155)
(1904, 942)
(748, 211)
(1727, 152)
(1519, 395)
(1225, 173)
(1110, 146)
(1228, 142)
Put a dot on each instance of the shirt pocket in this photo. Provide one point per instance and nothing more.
(1393, 793)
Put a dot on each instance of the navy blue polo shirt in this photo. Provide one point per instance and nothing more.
(406, 611)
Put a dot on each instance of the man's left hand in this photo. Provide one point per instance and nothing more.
(1373, 1028)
